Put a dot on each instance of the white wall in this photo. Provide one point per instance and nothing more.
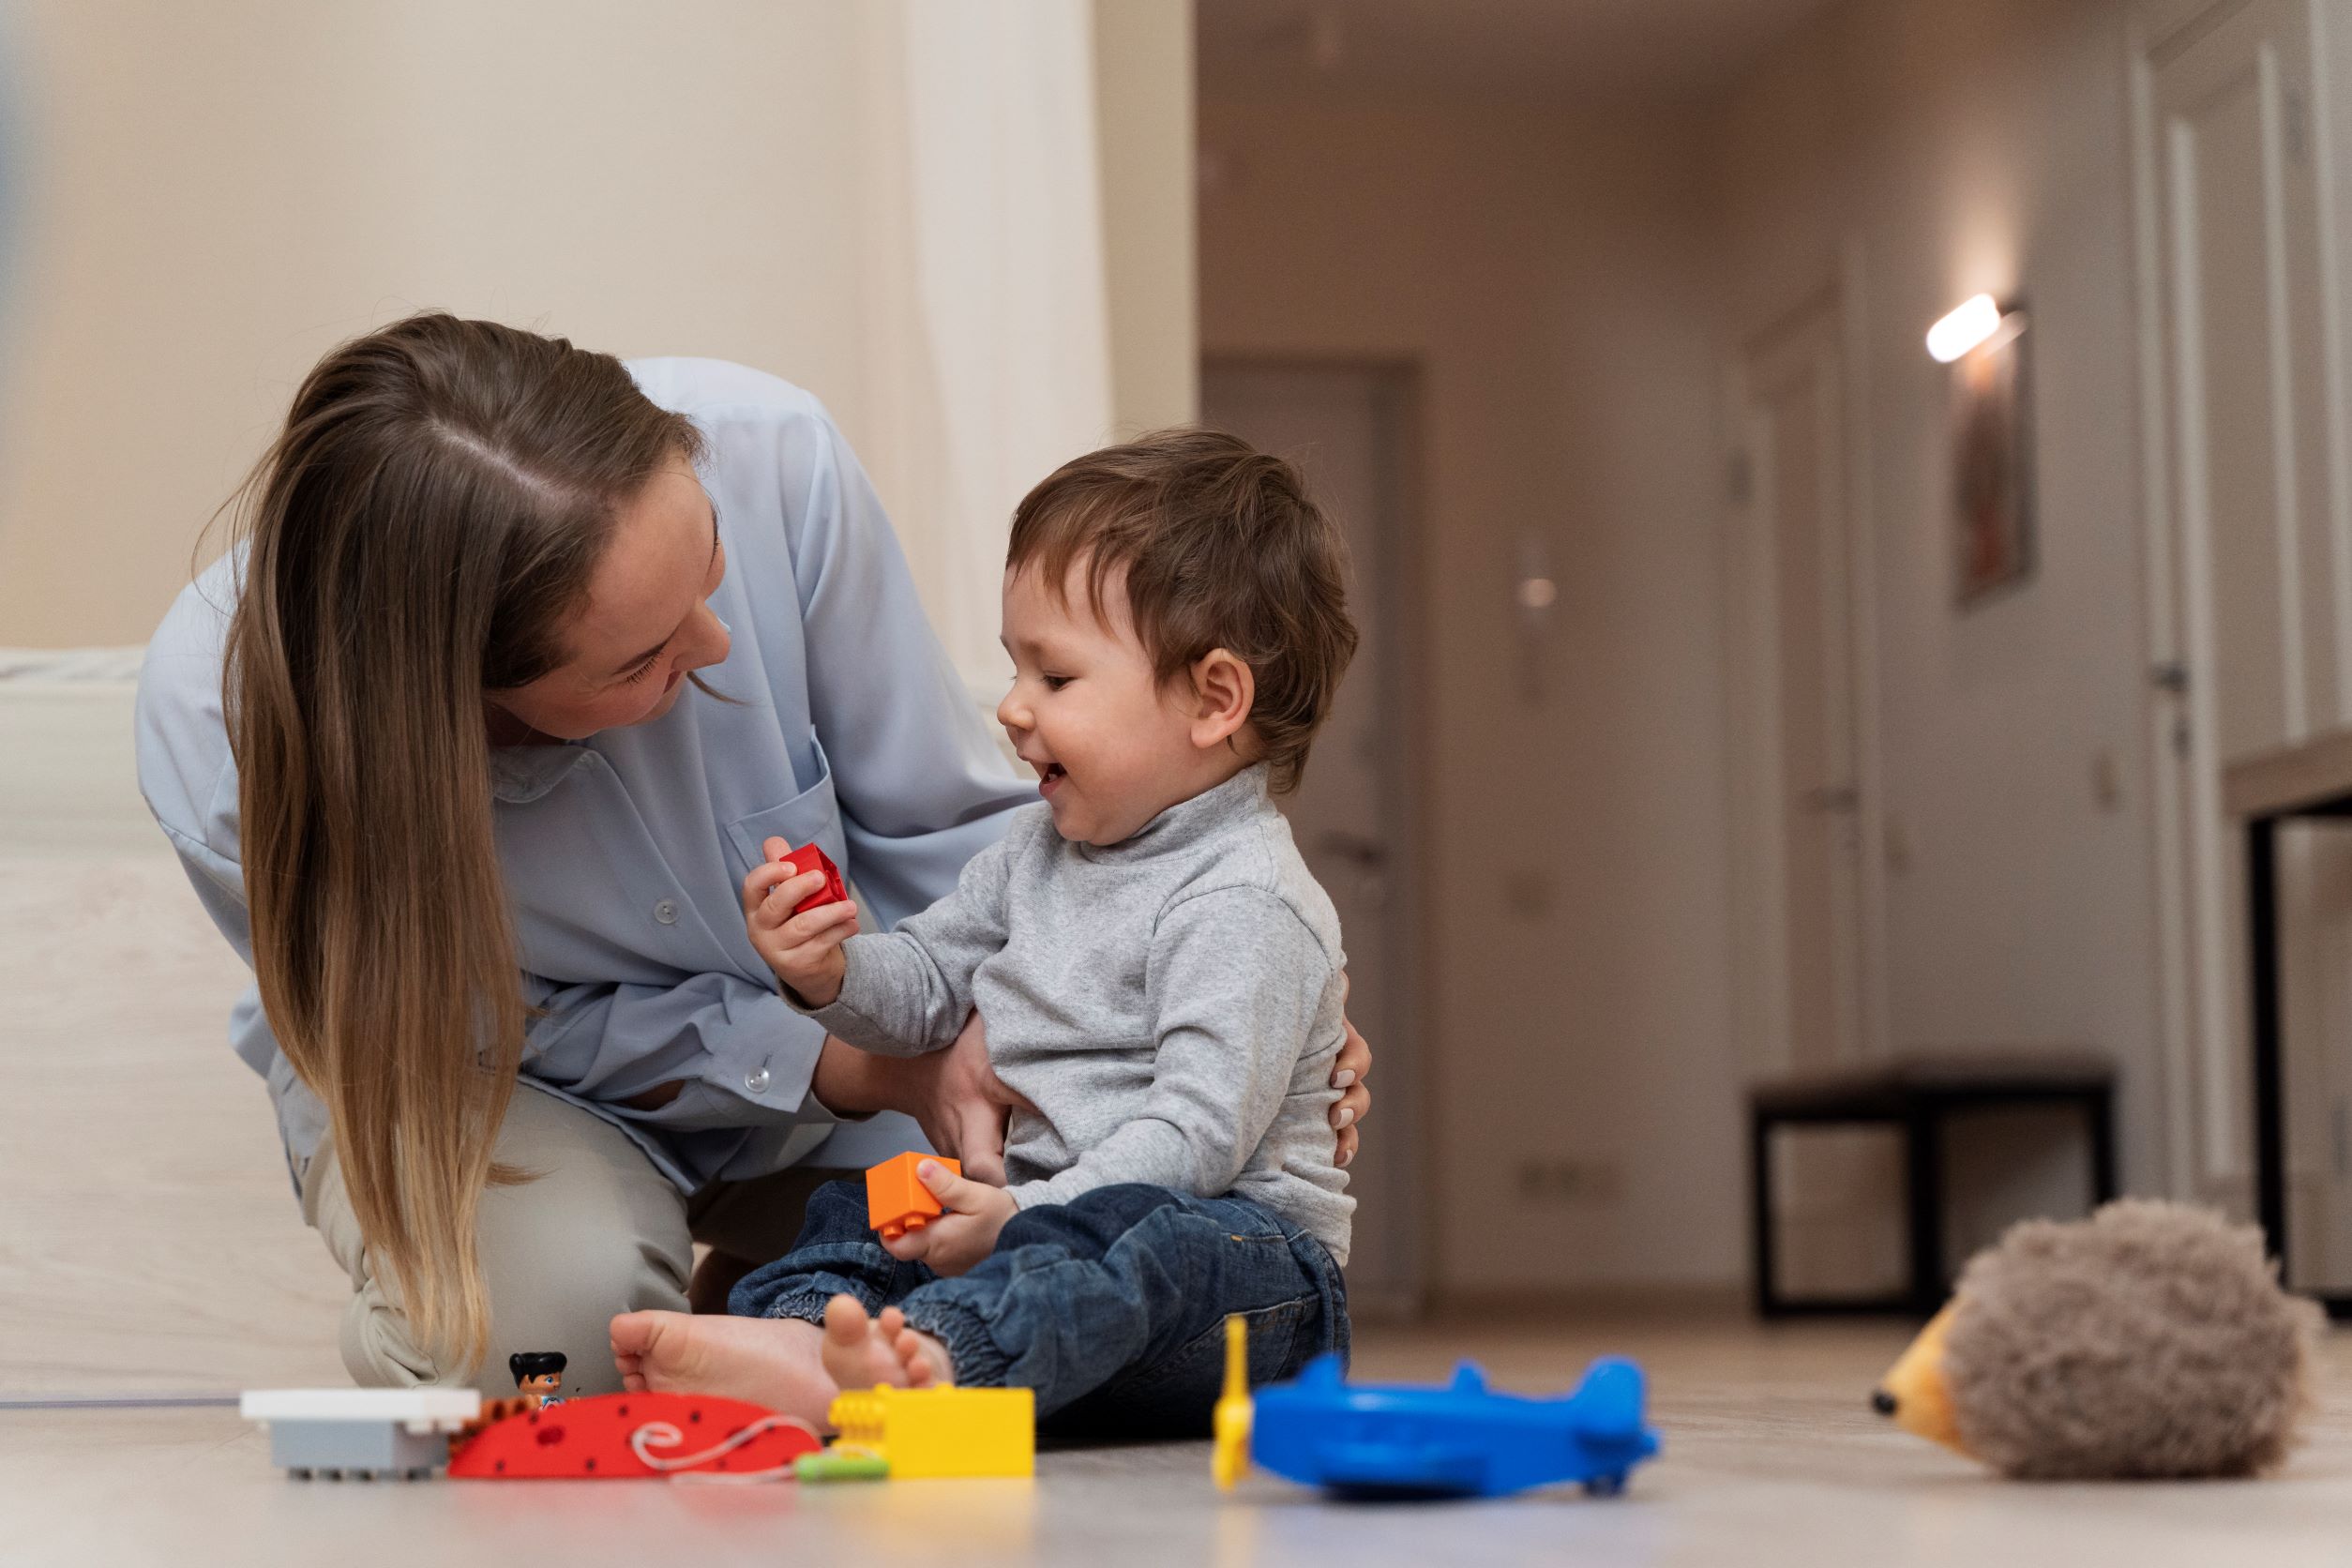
(212, 195)
(216, 194)
(1965, 148)
(1572, 287)
(1552, 280)
(1144, 85)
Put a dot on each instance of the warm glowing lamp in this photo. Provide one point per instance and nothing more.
(1970, 323)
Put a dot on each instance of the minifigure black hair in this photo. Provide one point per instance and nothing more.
(535, 1363)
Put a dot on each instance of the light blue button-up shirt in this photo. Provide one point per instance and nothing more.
(623, 854)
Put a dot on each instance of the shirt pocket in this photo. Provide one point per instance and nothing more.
(811, 817)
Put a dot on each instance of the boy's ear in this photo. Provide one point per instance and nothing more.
(1224, 690)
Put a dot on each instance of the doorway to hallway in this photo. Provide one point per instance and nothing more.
(1351, 430)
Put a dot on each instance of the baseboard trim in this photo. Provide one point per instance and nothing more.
(1522, 1303)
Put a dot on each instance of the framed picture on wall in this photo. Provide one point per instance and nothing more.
(1992, 466)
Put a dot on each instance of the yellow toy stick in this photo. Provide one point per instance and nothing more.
(1234, 1410)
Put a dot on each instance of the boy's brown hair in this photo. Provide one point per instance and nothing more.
(1222, 548)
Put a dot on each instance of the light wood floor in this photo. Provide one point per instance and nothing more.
(148, 1240)
(1770, 1458)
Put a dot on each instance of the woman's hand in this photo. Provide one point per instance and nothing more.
(1348, 1074)
(961, 1104)
(954, 1095)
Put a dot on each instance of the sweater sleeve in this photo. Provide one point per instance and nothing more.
(1236, 977)
(909, 992)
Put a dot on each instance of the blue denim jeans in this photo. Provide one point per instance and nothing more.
(1111, 1308)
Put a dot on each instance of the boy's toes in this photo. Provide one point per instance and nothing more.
(846, 1324)
(864, 1353)
(925, 1359)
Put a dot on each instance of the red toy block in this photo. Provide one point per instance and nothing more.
(613, 1436)
(808, 858)
(897, 1201)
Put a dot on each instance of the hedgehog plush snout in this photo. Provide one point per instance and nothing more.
(1915, 1395)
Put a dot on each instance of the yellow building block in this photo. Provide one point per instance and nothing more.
(929, 1432)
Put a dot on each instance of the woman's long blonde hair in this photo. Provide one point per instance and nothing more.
(414, 541)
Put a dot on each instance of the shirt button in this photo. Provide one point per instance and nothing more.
(667, 913)
(756, 1080)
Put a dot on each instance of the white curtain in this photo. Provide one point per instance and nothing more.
(984, 286)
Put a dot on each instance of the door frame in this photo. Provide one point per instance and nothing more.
(2202, 1061)
(2170, 725)
(1407, 1114)
(1759, 917)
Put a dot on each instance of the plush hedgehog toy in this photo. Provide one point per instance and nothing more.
(2149, 1340)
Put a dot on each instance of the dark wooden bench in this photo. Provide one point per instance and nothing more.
(1914, 1094)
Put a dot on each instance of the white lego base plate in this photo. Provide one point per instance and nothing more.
(419, 1409)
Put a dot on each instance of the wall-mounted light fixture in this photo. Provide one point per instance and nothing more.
(1970, 323)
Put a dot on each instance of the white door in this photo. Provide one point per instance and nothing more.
(1797, 659)
(2252, 585)
(1802, 807)
(1348, 429)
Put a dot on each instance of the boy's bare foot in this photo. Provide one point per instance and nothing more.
(771, 1362)
(866, 1352)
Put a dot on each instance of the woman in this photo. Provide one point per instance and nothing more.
(424, 743)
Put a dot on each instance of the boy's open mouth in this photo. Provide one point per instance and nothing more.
(1050, 776)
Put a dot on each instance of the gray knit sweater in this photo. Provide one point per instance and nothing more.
(1170, 1004)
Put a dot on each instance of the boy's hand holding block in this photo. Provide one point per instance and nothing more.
(801, 945)
(808, 858)
(897, 1202)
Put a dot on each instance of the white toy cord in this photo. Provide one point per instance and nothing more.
(661, 1434)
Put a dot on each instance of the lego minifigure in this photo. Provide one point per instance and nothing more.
(537, 1375)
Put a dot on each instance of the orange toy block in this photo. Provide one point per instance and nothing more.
(896, 1201)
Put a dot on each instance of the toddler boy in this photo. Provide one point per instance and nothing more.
(1160, 977)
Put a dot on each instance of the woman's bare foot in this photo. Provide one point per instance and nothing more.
(866, 1352)
(772, 1362)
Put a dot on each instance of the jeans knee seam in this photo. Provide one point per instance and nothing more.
(808, 1306)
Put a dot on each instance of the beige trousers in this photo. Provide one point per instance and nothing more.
(599, 1232)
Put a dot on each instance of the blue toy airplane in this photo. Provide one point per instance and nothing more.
(1459, 1441)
